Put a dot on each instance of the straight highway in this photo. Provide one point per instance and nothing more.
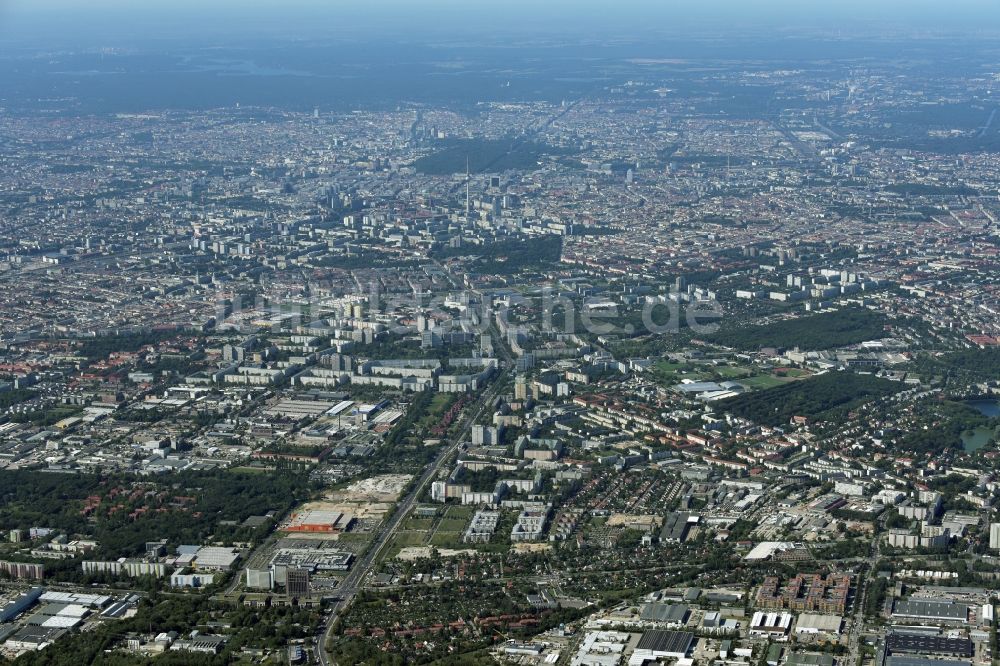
(354, 580)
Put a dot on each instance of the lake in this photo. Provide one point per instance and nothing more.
(973, 440)
(989, 408)
(977, 438)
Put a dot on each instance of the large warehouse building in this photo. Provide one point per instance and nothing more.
(813, 623)
(931, 610)
(660, 644)
(941, 646)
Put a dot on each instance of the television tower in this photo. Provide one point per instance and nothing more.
(468, 206)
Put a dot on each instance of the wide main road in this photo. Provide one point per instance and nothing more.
(864, 589)
(349, 587)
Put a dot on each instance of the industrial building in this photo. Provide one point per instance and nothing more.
(259, 579)
(931, 610)
(664, 644)
(313, 559)
(812, 623)
(601, 648)
(929, 645)
(204, 643)
(33, 637)
(320, 520)
(913, 660)
(809, 659)
(21, 604)
(215, 558)
(298, 409)
(188, 579)
(672, 614)
(676, 526)
(58, 615)
(775, 626)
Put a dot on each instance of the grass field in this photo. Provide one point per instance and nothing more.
(403, 540)
(252, 470)
(733, 372)
(668, 372)
(409, 539)
(354, 537)
(452, 524)
(448, 540)
(463, 512)
(416, 524)
(763, 382)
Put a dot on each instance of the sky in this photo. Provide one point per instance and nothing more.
(48, 23)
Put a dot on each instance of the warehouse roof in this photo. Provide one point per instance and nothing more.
(664, 612)
(927, 645)
(929, 608)
(809, 659)
(673, 642)
(816, 622)
(912, 660)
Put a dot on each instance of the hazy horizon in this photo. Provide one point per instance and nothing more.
(60, 23)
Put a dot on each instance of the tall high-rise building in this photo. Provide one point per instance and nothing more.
(485, 435)
(995, 536)
(297, 583)
(521, 389)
